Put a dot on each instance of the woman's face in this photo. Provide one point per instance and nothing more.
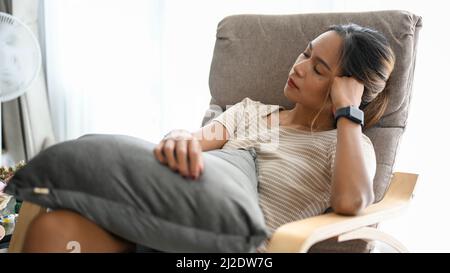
(313, 72)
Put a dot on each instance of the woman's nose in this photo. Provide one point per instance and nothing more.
(299, 69)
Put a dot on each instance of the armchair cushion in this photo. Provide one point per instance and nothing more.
(116, 182)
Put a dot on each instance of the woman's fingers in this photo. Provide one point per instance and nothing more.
(158, 152)
(195, 158)
(181, 157)
(182, 153)
(168, 150)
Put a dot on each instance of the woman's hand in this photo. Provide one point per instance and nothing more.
(346, 91)
(182, 152)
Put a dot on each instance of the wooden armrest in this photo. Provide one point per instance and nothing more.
(300, 235)
(27, 213)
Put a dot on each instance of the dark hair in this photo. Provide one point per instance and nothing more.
(367, 56)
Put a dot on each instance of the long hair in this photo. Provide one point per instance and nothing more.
(367, 56)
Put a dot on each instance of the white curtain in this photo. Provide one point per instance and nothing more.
(104, 66)
(137, 67)
(141, 67)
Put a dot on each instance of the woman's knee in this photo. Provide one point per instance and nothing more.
(54, 221)
(53, 229)
(60, 228)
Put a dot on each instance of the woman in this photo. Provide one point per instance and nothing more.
(316, 162)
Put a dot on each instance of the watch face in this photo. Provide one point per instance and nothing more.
(356, 113)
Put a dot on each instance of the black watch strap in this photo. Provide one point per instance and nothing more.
(352, 113)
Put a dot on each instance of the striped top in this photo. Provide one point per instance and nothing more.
(294, 166)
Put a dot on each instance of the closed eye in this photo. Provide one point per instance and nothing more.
(315, 67)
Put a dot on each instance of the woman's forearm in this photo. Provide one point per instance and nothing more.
(351, 187)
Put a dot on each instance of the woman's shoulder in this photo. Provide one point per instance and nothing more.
(247, 101)
(250, 101)
(259, 107)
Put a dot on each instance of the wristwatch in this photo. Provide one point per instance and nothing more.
(353, 113)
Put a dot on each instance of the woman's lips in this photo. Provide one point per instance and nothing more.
(291, 83)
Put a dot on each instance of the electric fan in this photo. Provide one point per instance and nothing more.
(20, 60)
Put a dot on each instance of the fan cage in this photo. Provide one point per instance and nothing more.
(5, 18)
(13, 21)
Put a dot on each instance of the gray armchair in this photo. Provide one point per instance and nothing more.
(252, 57)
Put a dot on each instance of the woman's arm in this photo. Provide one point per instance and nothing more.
(212, 136)
(351, 185)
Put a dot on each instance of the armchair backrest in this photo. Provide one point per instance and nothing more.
(254, 53)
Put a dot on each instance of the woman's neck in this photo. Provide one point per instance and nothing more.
(301, 118)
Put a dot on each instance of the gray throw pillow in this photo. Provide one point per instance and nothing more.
(115, 181)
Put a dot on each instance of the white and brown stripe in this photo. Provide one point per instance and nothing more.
(294, 166)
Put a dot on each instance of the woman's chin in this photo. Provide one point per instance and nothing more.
(291, 93)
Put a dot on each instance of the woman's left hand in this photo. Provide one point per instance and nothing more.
(346, 91)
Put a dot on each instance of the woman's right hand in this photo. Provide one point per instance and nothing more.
(181, 151)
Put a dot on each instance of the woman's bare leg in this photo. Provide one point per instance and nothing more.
(67, 231)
